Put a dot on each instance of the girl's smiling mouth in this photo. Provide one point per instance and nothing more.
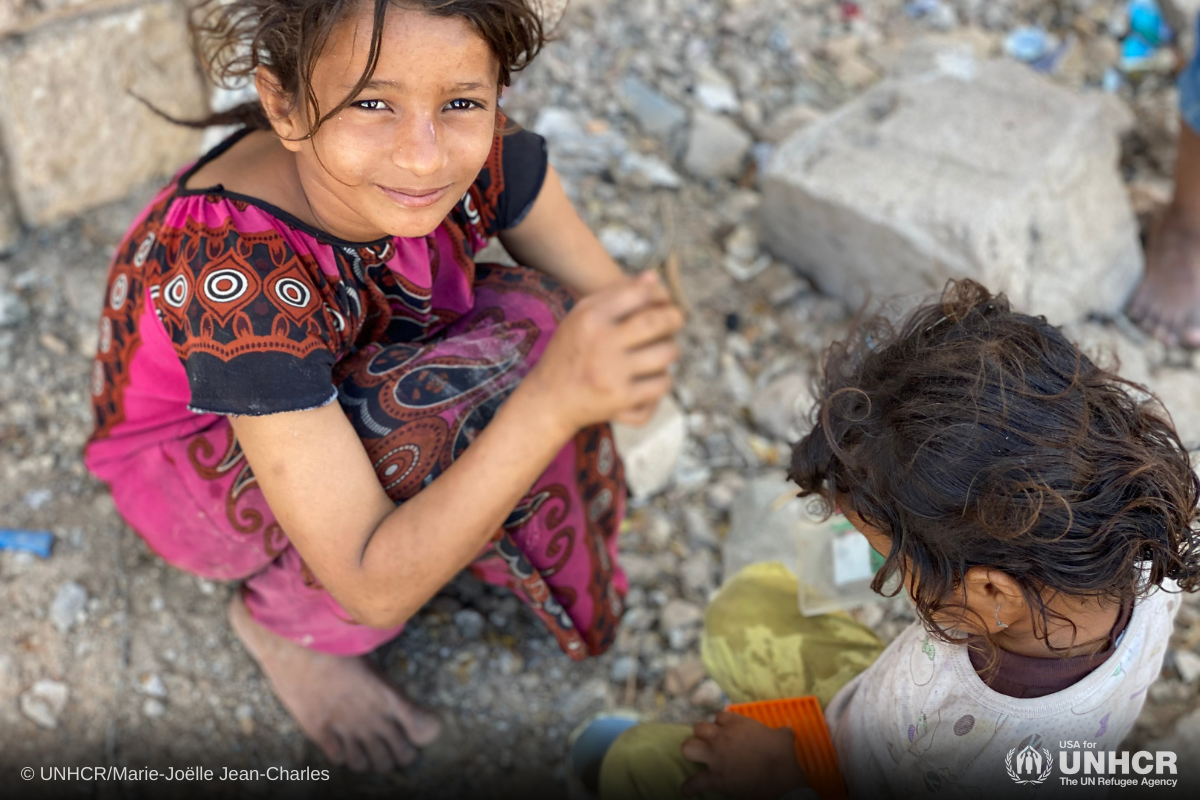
(415, 198)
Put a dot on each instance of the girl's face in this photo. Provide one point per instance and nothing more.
(397, 160)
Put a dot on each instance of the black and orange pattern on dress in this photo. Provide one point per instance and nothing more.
(221, 304)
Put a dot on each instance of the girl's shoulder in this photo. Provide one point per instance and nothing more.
(211, 198)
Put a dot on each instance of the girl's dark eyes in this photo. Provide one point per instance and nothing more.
(454, 105)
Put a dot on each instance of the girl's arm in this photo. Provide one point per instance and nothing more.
(381, 561)
(554, 240)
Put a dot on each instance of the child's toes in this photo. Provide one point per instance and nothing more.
(421, 727)
(331, 745)
(379, 754)
(356, 755)
(401, 748)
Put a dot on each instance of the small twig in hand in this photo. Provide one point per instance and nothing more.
(673, 277)
(631, 678)
(668, 258)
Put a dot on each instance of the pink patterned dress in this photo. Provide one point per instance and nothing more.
(222, 304)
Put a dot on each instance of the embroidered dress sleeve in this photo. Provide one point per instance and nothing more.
(245, 315)
(508, 183)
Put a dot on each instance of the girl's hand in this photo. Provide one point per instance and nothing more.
(745, 759)
(610, 355)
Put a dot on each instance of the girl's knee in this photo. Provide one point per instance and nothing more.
(646, 762)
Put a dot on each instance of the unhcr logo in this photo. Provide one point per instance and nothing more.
(1029, 762)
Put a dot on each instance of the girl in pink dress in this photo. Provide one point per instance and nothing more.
(306, 383)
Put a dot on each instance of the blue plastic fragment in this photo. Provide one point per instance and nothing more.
(1147, 21)
(1135, 48)
(1148, 34)
(36, 542)
(1113, 80)
(919, 8)
(1028, 44)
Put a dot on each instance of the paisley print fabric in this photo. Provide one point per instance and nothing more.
(220, 304)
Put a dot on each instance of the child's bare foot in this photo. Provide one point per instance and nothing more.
(1167, 303)
(343, 704)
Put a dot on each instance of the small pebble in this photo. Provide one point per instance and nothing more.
(69, 603)
(151, 684)
(678, 614)
(36, 498)
(244, 714)
(658, 528)
(708, 696)
(684, 677)
(622, 668)
(699, 530)
(44, 702)
(1187, 664)
(470, 623)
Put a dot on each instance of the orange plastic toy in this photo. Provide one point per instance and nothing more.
(814, 748)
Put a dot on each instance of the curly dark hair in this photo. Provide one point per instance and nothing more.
(233, 38)
(974, 435)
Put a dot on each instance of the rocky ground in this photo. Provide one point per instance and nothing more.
(658, 113)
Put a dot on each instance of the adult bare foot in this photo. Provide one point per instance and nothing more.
(1167, 303)
(343, 704)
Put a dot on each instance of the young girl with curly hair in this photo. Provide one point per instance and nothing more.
(306, 383)
(1040, 512)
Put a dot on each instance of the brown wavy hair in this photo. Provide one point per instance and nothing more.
(233, 38)
(977, 436)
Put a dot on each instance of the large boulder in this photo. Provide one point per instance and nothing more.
(75, 135)
(980, 169)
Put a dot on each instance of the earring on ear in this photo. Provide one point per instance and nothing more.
(999, 624)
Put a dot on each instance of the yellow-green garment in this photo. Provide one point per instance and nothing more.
(758, 646)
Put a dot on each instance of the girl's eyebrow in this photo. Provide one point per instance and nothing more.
(462, 86)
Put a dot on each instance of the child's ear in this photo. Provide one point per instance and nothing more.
(995, 598)
(280, 108)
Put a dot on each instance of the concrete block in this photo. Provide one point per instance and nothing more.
(979, 169)
(651, 450)
(74, 135)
